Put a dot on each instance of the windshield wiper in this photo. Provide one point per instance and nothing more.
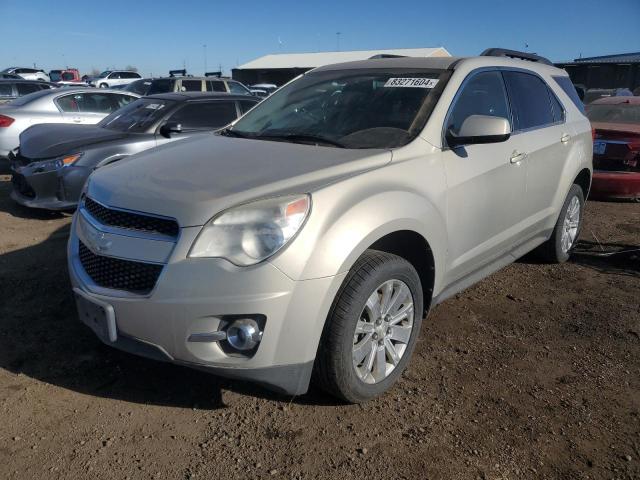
(301, 137)
(228, 132)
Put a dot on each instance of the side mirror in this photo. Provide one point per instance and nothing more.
(480, 129)
(170, 127)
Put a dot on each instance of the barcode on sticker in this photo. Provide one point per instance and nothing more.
(412, 82)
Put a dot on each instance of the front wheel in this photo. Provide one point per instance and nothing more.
(372, 328)
(104, 85)
(565, 233)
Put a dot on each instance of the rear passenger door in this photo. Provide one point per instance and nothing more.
(543, 138)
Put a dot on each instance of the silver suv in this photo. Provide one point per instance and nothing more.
(310, 238)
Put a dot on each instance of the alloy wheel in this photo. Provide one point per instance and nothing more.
(383, 331)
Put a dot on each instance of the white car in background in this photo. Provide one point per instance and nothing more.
(28, 73)
(112, 78)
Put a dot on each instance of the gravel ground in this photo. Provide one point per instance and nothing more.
(533, 373)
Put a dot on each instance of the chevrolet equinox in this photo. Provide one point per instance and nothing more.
(308, 240)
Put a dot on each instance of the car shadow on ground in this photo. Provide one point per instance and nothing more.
(42, 338)
(614, 258)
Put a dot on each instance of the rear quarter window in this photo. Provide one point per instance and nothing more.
(568, 88)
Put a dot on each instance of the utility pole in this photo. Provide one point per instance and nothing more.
(205, 57)
(338, 40)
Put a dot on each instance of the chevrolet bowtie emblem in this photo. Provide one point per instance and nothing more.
(98, 241)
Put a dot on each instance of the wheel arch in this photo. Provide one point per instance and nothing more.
(583, 180)
(415, 249)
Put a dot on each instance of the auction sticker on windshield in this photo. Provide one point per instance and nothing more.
(412, 82)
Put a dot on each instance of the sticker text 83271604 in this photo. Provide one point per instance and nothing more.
(412, 82)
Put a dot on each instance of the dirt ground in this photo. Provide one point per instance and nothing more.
(533, 373)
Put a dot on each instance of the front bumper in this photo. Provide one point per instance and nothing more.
(194, 296)
(615, 185)
(47, 188)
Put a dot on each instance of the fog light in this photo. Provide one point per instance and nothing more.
(244, 334)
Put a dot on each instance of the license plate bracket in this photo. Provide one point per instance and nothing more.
(97, 315)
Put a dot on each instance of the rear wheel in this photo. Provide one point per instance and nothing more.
(371, 329)
(565, 234)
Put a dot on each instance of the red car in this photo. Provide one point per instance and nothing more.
(616, 147)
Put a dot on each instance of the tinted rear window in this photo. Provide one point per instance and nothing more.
(530, 100)
(162, 85)
(570, 90)
(6, 90)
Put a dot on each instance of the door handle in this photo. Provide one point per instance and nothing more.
(77, 120)
(565, 138)
(517, 157)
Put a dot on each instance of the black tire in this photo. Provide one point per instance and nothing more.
(334, 369)
(104, 85)
(551, 251)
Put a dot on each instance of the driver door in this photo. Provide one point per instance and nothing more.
(485, 182)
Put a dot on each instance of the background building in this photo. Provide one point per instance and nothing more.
(280, 68)
(608, 71)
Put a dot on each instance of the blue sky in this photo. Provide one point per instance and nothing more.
(156, 38)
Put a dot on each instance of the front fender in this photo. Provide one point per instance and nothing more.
(335, 236)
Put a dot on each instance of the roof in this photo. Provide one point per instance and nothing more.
(185, 96)
(633, 57)
(318, 59)
(436, 63)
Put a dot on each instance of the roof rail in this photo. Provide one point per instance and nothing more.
(213, 74)
(386, 55)
(175, 73)
(503, 52)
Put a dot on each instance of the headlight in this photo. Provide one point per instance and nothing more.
(253, 232)
(70, 159)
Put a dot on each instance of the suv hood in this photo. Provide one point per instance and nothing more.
(194, 179)
(36, 141)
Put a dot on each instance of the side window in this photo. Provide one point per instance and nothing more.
(120, 101)
(114, 75)
(191, 86)
(95, 103)
(530, 100)
(235, 87)
(246, 105)
(6, 90)
(556, 107)
(483, 94)
(205, 115)
(68, 103)
(26, 88)
(215, 86)
(570, 90)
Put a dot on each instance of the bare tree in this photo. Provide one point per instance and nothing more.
(95, 72)
(131, 68)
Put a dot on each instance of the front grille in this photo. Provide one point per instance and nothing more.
(107, 272)
(21, 186)
(131, 221)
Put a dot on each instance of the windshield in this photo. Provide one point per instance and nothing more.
(620, 113)
(105, 73)
(54, 75)
(138, 116)
(348, 108)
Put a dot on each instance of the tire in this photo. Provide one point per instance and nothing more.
(104, 85)
(335, 368)
(555, 250)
